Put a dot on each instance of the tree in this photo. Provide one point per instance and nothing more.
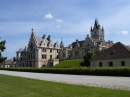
(14, 59)
(89, 55)
(2, 48)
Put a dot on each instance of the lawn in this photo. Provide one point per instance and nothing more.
(70, 63)
(11, 86)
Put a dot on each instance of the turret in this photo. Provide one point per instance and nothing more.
(102, 28)
(43, 36)
(77, 43)
(96, 25)
(61, 44)
(49, 38)
(97, 32)
(32, 34)
(25, 48)
(91, 29)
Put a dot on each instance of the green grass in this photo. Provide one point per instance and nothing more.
(11, 86)
(69, 63)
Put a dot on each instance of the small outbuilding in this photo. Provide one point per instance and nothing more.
(115, 56)
(9, 63)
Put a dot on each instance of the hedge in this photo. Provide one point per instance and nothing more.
(78, 71)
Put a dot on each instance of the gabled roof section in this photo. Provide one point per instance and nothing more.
(118, 50)
(39, 40)
(50, 43)
(80, 43)
(20, 50)
(56, 45)
(44, 41)
(9, 62)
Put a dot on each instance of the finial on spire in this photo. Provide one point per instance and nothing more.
(32, 32)
(32, 29)
(61, 41)
(61, 44)
(96, 23)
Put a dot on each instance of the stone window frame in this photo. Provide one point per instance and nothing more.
(44, 56)
(43, 49)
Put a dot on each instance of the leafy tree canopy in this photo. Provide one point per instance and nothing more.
(89, 55)
(14, 59)
(2, 48)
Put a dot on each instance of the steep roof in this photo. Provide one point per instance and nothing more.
(20, 50)
(39, 39)
(96, 23)
(80, 43)
(9, 62)
(118, 50)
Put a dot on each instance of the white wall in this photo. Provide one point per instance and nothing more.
(105, 63)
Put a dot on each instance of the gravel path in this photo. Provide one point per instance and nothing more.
(98, 81)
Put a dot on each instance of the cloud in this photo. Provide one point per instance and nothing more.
(48, 16)
(58, 26)
(124, 32)
(59, 20)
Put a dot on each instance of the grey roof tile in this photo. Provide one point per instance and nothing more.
(118, 50)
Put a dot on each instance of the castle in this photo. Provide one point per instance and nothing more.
(42, 51)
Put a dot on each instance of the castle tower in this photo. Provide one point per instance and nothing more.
(97, 32)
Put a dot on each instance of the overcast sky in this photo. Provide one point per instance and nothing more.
(66, 19)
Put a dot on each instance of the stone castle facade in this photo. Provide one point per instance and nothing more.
(42, 51)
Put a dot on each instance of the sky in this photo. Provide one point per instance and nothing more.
(62, 19)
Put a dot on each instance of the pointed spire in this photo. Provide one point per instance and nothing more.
(49, 38)
(32, 29)
(91, 29)
(44, 36)
(96, 20)
(25, 48)
(96, 23)
(61, 44)
(102, 28)
(32, 32)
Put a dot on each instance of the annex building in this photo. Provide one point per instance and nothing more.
(115, 56)
(42, 51)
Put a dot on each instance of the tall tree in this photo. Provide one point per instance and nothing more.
(2, 48)
(89, 55)
(14, 59)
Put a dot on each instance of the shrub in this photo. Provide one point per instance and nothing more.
(78, 71)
